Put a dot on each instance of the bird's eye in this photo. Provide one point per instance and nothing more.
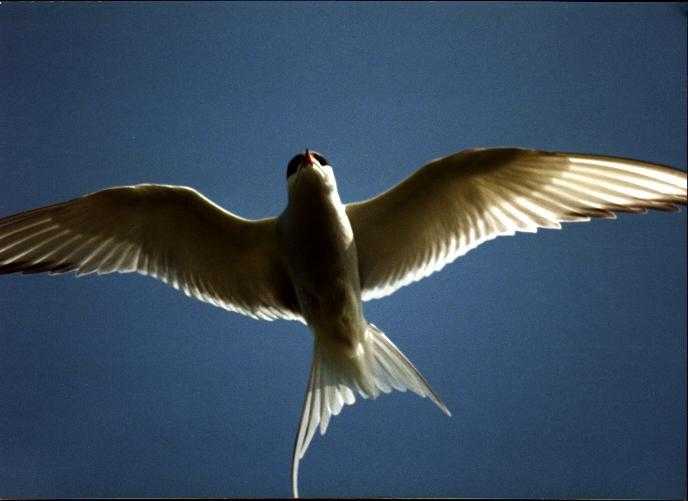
(321, 159)
(294, 164)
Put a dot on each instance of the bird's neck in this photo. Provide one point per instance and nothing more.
(316, 203)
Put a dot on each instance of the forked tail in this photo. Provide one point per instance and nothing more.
(335, 378)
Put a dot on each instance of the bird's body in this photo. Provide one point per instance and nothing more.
(321, 256)
(321, 259)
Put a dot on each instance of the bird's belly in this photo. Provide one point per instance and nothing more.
(324, 270)
(333, 311)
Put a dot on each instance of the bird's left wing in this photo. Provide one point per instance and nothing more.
(172, 233)
(454, 204)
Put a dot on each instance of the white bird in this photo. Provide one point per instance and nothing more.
(320, 259)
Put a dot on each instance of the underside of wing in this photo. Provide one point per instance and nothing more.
(454, 204)
(171, 233)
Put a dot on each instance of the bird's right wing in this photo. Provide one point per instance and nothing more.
(172, 233)
(454, 204)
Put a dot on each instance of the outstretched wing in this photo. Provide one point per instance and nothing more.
(454, 204)
(172, 233)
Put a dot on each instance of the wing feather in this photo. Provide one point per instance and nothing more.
(454, 204)
(172, 233)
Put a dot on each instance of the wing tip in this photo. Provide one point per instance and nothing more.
(32, 268)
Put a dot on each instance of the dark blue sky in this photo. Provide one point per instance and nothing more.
(561, 355)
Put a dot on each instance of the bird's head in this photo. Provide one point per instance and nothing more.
(312, 166)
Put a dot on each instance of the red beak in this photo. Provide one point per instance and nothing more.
(309, 157)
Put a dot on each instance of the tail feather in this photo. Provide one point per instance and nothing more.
(401, 373)
(379, 366)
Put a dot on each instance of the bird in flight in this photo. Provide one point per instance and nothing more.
(320, 259)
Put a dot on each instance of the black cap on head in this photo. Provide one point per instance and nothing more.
(294, 164)
(321, 159)
(302, 159)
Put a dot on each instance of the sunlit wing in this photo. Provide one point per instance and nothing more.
(454, 204)
(171, 233)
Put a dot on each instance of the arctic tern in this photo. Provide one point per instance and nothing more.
(320, 259)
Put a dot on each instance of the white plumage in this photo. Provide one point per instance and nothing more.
(320, 259)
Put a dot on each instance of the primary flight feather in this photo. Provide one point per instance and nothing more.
(320, 259)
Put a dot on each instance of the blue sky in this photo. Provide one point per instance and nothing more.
(562, 356)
